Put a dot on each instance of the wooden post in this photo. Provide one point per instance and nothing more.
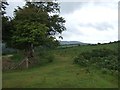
(27, 63)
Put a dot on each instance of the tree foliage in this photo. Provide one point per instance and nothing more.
(6, 27)
(6, 23)
(34, 25)
(3, 7)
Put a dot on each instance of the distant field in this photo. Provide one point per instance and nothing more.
(62, 73)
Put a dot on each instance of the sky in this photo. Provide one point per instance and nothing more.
(89, 21)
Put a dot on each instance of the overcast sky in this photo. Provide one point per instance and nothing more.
(88, 22)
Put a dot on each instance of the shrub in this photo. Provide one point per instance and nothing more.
(104, 70)
(101, 52)
(45, 56)
(50, 57)
(81, 60)
(105, 59)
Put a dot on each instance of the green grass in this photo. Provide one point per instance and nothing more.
(61, 73)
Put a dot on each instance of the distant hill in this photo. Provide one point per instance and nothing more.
(72, 43)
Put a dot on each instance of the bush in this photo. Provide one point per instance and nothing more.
(6, 51)
(17, 57)
(101, 52)
(81, 60)
(104, 59)
(45, 56)
(50, 57)
(104, 70)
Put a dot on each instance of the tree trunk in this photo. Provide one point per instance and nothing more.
(31, 50)
(29, 54)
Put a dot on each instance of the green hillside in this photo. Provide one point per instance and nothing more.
(62, 72)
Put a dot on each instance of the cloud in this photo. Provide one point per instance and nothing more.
(12, 5)
(92, 23)
(89, 1)
(89, 22)
(98, 26)
(69, 7)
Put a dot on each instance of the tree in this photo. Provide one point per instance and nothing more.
(34, 26)
(3, 7)
(6, 30)
(6, 24)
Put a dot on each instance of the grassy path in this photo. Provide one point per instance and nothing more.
(61, 73)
